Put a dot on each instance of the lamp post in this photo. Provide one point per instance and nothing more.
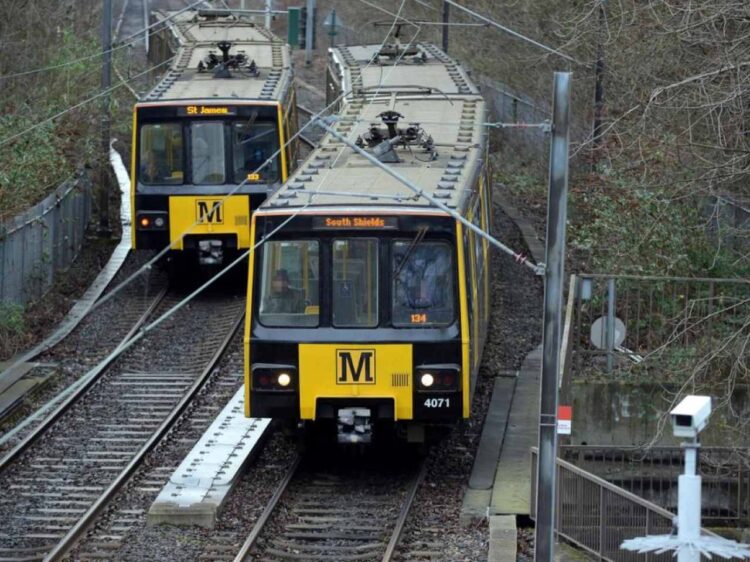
(332, 24)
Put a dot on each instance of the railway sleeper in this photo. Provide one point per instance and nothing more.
(281, 543)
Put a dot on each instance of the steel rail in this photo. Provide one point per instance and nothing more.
(83, 384)
(69, 540)
(390, 550)
(267, 511)
(304, 138)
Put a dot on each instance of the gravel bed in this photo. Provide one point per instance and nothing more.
(515, 329)
(94, 338)
(341, 500)
(63, 456)
(167, 542)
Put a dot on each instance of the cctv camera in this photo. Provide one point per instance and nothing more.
(691, 416)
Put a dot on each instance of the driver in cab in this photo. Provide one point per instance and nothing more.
(283, 299)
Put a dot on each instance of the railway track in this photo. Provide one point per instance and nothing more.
(91, 357)
(312, 135)
(339, 512)
(65, 472)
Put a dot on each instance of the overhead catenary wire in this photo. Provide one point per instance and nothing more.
(147, 266)
(508, 30)
(124, 43)
(520, 258)
(124, 346)
(59, 114)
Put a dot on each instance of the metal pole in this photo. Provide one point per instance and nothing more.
(332, 33)
(553, 303)
(689, 505)
(105, 124)
(610, 325)
(446, 20)
(146, 34)
(309, 31)
(599, 89)
(269, 10)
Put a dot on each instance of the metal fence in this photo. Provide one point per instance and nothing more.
(43, 240)
(728, 225)
(652, 474)
(669, 323)
(598, 516)
(508, 106)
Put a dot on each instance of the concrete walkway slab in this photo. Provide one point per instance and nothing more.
(512, 487)
(199, 486)
(493, 432)
(503, 539)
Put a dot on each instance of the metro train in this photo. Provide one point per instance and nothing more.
(367, 307)
(222, 111)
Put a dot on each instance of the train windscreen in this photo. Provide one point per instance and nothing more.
(208, 152)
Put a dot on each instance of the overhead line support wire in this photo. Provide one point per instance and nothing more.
(511, 32)
(147, 266)
(115, 47)
(11, 138)
(538, 269)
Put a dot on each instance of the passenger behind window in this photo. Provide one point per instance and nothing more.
(154, 168)
(426, 280)
(283, 298)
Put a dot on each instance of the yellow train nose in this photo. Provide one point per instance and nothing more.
(340, 371)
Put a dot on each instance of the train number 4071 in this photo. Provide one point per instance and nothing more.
(437, 403)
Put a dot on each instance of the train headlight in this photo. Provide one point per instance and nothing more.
(443, 377)
(145, 222)
(159, 222)
(274, 377)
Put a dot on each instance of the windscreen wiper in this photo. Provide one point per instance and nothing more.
(414, 243)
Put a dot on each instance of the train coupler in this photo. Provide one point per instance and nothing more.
(210, 252)
(354, 425)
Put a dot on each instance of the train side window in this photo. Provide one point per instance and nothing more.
(289, 284)
(423, 286)
(161, 154)
(253, 144)
(207, 152)
(355, 283)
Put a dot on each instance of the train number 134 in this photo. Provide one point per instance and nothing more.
(437, 403)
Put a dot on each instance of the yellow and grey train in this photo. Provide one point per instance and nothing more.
(367, 306)
(223, 109)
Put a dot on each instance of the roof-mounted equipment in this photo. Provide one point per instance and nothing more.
(397, 51)
(383, 141)
(223, 66)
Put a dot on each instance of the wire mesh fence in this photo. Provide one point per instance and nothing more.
(597, 516)
(638, 325)
(652, 474)
(43, 240)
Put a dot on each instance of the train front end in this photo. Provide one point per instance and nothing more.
(198, 171)
(355, 323)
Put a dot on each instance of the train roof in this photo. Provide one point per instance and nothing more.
(445, 166)
(195, 35)
(363, 68)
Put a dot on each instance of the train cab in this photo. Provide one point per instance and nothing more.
(212, 140)
(356, 319)
(200, 169)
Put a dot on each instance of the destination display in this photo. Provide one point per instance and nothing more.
(206, 110)
(352, 222)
